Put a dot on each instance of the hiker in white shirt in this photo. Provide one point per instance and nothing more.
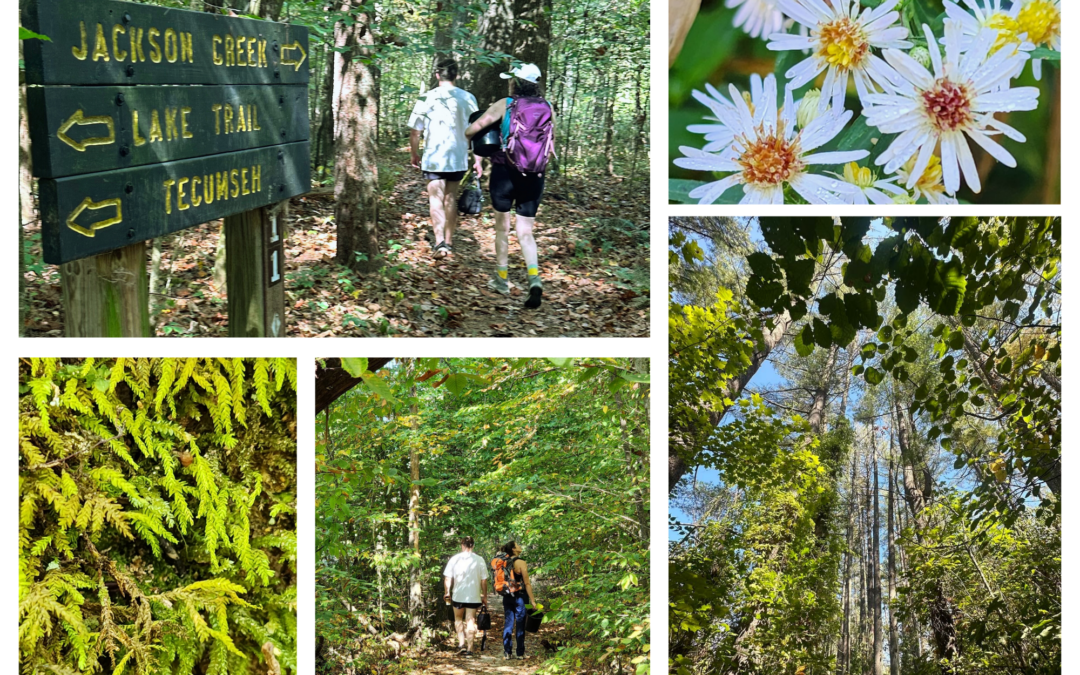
(442, 114)
(465, 578)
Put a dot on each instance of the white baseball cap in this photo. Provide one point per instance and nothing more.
(528, 72)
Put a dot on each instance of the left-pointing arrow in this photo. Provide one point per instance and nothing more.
(93, 206)
(79, 119)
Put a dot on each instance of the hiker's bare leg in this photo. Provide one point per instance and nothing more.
(459, 626)
(502, 239)
(470, 627)
(450, 209)
(436, 198)
(524, 227)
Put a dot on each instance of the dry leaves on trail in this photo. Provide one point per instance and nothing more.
(592, 234)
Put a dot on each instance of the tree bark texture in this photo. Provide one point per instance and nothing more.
(415, 591)
(332, 381)
(894, 638)
(532, 35)
(496, 28)
(875, 563)
(356, 171)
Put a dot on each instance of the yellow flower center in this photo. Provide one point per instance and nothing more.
(930, 180)
(770, 159)
(1008, 30)
(859, 175)
(842, 43)
(948, 105)
(1041, 20)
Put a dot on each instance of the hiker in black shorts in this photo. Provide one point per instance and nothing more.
(441, 115)
(515, 182)
(465, 579)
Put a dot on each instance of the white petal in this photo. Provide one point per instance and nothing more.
(925, 153)
(835, 157)
(935, 52)
(1007, 100)
(804, 71)
(909, 68)
(815, 189)
(949, 168)
(967, 162)
(991, 146)
(710, 192)
(779, 42)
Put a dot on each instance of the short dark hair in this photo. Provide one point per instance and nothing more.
(508, 547)
(446, 69)
(522, 87)
(467, 542)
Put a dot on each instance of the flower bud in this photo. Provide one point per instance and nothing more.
(808, 108)
(921, 55)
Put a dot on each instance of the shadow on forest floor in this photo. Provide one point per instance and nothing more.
(491, 659)
(592, 234)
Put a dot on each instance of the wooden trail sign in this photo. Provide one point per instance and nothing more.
(146, 120)
(122, 43)
(99, 212)
(79, 130)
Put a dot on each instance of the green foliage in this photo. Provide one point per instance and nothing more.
(143, 482)
(552, 453)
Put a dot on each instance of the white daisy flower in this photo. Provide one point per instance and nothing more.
(719, 136)
(767, 152)
(757, 17)
(841, 39)
(989, 14)
(937, 109)
(928, 185)
(1040, 21)
(869, 189)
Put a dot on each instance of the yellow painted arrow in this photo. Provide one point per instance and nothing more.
(288, 61)
(93, 206)
(79, 119)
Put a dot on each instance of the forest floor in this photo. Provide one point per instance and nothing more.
(491, 659)
(592, 232)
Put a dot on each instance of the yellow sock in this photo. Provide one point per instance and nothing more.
(533, 271)
(502, 272)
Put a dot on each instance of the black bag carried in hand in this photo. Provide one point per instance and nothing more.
(483, 619)
(471, 200)
(533, 618)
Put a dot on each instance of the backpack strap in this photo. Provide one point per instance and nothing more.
(505, 132)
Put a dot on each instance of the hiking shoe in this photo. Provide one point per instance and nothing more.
(536, 292)
(462, 652)
(497, 283)
(507, 657)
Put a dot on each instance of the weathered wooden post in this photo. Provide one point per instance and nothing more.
(126, 155)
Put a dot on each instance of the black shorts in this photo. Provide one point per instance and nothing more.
(448, 176)
(510, 186)
(468, 605)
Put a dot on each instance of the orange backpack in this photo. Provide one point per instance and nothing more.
(502, 567)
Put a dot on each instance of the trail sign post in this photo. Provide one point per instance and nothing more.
(147, 120)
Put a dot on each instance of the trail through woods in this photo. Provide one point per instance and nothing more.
(592, 235)
(447, 662)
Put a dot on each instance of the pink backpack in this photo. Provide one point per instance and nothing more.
(528, 134)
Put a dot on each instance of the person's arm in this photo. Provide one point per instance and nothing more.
(448, 582)
(528, 582)
(490, 116)
(414, 147)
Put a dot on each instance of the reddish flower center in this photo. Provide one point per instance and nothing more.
(769, 159)
(948, 105)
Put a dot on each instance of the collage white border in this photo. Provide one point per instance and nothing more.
(654, 347)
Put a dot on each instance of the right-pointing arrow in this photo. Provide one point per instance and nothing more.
(93, 206)
(80, 120)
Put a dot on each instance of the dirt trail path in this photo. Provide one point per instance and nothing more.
(592, 235)
(491, 659)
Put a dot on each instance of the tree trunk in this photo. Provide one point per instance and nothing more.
(640, 118)
(27, 212)
(609, 124)
(844, 656)
(443, 42)
(894, 639)
(942, 623)
(324, 136)
(356, 109)
(415, 595)
(496, 29)
(875, 564)
(267, 9)
(532, 35)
